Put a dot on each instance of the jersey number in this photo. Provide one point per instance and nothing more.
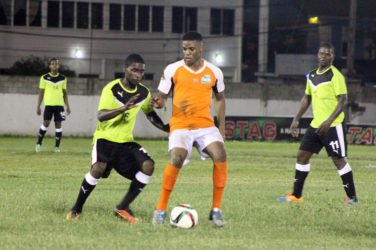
(334, 145)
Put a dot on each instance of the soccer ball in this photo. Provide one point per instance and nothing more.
(184, 216)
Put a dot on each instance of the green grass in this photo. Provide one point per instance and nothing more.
(37, 190)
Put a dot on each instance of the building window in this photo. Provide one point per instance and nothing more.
(215, 21)
(68, 14)
(35, 12)
(115, 16)
(228, 22)
(82, 15)
(53, 14)
(5, 12)
(158, 17)
(184, 19)
(130, 17)
(96, 15)
(190, 19)
(177, 19)
(222, 21)
(143, 17)
(20, 12)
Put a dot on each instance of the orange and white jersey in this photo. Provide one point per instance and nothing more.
(191, 93)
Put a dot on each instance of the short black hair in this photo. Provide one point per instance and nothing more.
(192, 36)
(133, 58)
(52, 59)
(327, 45)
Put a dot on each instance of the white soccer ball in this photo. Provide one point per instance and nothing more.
(184, 216)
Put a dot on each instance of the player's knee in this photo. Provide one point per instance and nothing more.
(177, 160)
(148, 167)
(97, 170)
(46, 123)
(339, 162)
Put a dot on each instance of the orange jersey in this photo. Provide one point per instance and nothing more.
(191, 93)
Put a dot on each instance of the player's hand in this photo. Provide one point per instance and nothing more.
(222, 132)
(156, 101)
(130, 103)
(323, 128)
(38, 111)
(68, 111)
(293, 128)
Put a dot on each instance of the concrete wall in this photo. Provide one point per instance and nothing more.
(18, 99)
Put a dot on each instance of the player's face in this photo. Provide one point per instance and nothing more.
(192, 51)
(325, 57)
(134, 72)
(54, 66)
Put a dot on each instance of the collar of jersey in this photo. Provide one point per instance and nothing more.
(318, 73)
(125, 89)
(199, 70)
(53, 74)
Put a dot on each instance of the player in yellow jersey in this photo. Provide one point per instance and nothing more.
(192, 81)
(326, 90)
(114, 145)
(53, 90)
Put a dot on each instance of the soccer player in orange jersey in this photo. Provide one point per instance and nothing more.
(192, 81)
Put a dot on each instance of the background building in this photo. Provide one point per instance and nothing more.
(94, 37)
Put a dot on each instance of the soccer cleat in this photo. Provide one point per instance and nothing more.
(38, 148)
(57, 150)
(159, 217)
(290, 197)
(350, 201)
(216, 216)
(73, 215)
(125, 214)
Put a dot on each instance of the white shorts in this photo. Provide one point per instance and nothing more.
(200, 138)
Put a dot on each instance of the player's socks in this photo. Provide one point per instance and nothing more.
(88, 184)
(219, 183)
(135, 188)
(42, 132)
(58, 135)
(301, 173)
(348, 181)
(169, 178)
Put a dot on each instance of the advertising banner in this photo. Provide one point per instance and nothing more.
(278, 128)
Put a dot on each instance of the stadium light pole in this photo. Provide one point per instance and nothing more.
(351, 40)
(263, 40)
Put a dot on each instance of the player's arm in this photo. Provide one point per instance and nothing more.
(65, 96)
(106, 114)
(220, 110)
(304, 104)
(324, 127)
(157, 121)
(40, 99)
(158, 101)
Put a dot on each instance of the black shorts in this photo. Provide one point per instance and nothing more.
(126, 158)
(56, 111)
(334, 141)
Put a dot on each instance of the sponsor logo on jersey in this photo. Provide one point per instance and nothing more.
(206, 79)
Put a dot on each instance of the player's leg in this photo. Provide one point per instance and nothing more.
(217, 152)
(58, 135)
(336, 147)
(180, 147)
(88, 184)
(47, 116)
(310, 144)
(136, 165)
(170, 176)
(59, 116)
(101, 154)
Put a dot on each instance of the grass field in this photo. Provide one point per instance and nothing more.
(37, 190)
